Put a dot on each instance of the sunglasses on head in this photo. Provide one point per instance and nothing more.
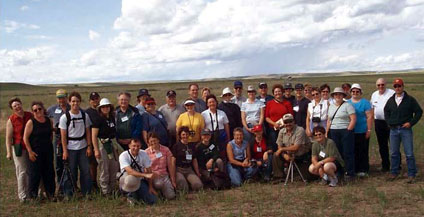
(37, 109)
(397, 86)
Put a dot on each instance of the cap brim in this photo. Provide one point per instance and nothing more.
(61, 96)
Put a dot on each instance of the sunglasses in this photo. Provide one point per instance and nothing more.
(263, 87)
(318, 134)
(397, 86)
(37, 109)
(228, 94)
(288, 121)
(380, 85)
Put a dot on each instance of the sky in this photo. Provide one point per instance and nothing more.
(78, 41)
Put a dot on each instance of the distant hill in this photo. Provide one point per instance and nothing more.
(15, 86)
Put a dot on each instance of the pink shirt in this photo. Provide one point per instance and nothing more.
(159, 159)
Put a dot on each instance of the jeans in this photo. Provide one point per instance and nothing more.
(79, 160)
(344, 140)
(272, 138)
(361, 153)
(143, 194)
(238, 174)
(404, 135)
(382, 131)
(247, 136)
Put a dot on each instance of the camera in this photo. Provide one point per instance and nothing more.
(316, 119)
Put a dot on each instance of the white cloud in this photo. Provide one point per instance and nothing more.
(11, 26)
(24, 8)
(93, 35)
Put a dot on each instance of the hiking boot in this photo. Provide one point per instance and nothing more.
(392, 177)
(411, 180)
(333, 181)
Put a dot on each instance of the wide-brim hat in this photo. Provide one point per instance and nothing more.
(129, 183)
(338, 90)
(226, 90)
(104, 101)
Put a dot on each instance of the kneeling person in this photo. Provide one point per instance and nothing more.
(137, 176)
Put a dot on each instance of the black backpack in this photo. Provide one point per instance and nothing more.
(68, 123)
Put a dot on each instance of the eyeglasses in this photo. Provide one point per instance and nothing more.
(318, 134)
(316, 94)
(228, 94)
(263, 87)
(380, 85)
(37, 109)
(397, 86)
(355, 91)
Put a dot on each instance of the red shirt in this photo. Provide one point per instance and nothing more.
(276, 110)
(18, 124)
(258, 154)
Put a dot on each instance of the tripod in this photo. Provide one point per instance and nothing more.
(290, 172)
(68, 173)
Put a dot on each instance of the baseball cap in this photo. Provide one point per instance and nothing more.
(398, 81)
(206, 131)
(150, 100)
(143, 92)
(238, 84)
(263, 85)
(94, 95)
(288, 116)
(288, 86)
(250, 88)
(298, 86)
(61, 93)
(171, 93)
(257, 128)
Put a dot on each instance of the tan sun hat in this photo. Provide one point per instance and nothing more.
(129, 183)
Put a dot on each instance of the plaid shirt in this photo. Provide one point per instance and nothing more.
(159, 165)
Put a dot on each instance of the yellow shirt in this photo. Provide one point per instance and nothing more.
(194, 123)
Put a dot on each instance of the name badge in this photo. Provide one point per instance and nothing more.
(189, 157)
(322, 154)
(211, 147)
(111, 124)
(125, 118)
(160, 116)
(258, 149)
(58, 111)
(296, 108)
(159, 155)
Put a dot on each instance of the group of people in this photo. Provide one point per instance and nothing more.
(148, 153)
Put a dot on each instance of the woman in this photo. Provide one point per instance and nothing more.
(362, 131)
(239, 166)
(326, 159)
(325, 93)
(274, 111)
(105, 149)
(260, 152)
(162, 167)
(192, 120)
(38, 137)
(154, 121)
(252, 113)
(14, 140)
(205, 93)
(317, 112)
(217, 123)
(185, 160)
(340, 123)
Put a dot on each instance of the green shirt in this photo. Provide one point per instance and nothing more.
(329, 149)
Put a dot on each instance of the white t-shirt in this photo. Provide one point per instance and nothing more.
(378, 101)
(318, 110)
(76, 129)
(142, 160)
(252, 110)
(222, 119)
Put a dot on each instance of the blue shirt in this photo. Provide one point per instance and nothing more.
(156, 123)
(361, 118)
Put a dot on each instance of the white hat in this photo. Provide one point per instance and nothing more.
(357, 86)
(129, 183)
(104, 101)
(338, 90)
(189, 101)
(226, 90)
(250, 88)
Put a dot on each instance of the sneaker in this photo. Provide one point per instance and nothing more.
(323, 181)
(325, 177)
(131, 201)
(392, 177)
(362, 174)
(411, 180)
(333, 181)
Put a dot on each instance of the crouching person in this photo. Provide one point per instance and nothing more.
(293, 144)
(211, 167)
(162, 166)
(185, 160)
(261, 153)
(239, 166)
(137, 176)
(326, 159)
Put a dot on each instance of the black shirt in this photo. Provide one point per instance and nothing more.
(300, 115)
(233, 113)
(205, 153)
(106, 127)
(93, 114)
(182, 152)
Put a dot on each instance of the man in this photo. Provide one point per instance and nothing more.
(238, 98)
(232, 110)
(94, 100)
(263, 93)
(293, 144)
(171, 111)
(54, 112)
(141, 100)
(153, 121)
(300, 106)
(378, 101)
(128, 121)
(193, 94)
(288, 90)
(401, 112)
(137, 176)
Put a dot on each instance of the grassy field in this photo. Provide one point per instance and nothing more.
(372, 196)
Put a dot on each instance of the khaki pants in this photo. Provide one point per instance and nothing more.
(163, 183)
(108, 169)
(185, 175)
(21, 167)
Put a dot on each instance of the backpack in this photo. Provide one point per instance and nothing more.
(68, 123)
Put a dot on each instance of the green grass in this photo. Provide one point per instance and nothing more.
(367, 197)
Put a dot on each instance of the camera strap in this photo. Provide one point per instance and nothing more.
(334, 115)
